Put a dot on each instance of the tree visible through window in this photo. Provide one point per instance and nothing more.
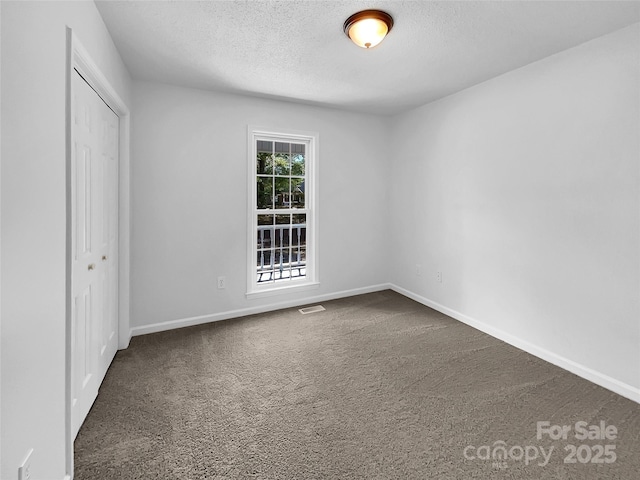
(282, 210)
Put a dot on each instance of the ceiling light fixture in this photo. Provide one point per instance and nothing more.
(368, 27)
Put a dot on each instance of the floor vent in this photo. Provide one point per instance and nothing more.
(317, 308)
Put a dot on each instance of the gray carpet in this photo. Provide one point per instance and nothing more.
(377, 386)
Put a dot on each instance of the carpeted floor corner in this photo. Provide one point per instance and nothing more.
(375, 387)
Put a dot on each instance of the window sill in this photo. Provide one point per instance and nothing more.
(270, 292)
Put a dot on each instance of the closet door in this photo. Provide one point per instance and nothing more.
(94, 245)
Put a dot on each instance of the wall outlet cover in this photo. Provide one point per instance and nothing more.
(24, 471)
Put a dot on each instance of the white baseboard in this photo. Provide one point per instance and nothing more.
(243, 312)
(621, 388)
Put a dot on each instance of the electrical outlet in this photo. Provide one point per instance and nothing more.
(222, 282)
(418, 269)
(439, 277)
(24, 471)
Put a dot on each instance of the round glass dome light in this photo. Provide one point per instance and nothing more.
(368, 28)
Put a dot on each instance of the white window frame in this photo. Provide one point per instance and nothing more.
(310, 280)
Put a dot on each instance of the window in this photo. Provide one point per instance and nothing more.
(282, 211)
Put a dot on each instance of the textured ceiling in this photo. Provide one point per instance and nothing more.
(296, 50)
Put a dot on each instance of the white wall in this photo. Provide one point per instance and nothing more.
(524, 192)
(189, 201)
(33, 221)
(0, 247)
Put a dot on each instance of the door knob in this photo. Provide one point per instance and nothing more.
(91, 266)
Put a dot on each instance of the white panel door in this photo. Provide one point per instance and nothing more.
(94, 245)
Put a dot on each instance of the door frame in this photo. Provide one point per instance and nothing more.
(78, 58)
